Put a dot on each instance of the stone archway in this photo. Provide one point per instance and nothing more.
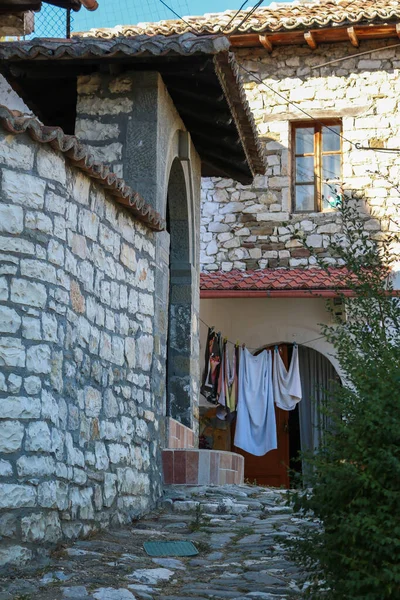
(181, 302)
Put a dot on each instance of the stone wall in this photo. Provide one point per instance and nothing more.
(247, 227)
(81, 425)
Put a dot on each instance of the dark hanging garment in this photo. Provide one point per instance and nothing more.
(213, 355)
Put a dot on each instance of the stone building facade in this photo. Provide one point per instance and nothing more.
(99, 287)
(248, 227)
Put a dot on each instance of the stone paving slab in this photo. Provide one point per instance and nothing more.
(235, 528)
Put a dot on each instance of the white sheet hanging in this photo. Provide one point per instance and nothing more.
(256, 424)
(287, 384)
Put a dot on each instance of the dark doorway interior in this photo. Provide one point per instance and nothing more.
(179, 400)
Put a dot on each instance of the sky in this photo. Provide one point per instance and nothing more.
(129, 12)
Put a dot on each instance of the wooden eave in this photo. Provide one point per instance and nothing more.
(315, 37)
(192, 82)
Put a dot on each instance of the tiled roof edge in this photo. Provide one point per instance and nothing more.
(227, 71)
(97, 46)
(276, 279)
(81, 158)
(274, 18)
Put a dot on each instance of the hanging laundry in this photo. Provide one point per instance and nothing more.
(222, 374)
(256, 424)
(209, 388)
(228, 383)
(287, 384)
(231, 379)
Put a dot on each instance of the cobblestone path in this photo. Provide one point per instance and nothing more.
(237, 530)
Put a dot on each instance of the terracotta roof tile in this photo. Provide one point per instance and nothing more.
(280, 16)
(88, 45)
(79, 155)
(274, 279)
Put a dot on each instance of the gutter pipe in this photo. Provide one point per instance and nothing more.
(207, 294)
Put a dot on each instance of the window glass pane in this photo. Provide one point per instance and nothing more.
(304, 197)
(305, 140)
(304, 168)
(330, 141)
(331, 166)
(330, 196)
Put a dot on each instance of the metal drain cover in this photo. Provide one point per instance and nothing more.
(166, 549)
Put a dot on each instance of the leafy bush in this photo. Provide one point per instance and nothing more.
(353, 497)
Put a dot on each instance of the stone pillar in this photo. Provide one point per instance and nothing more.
(127, 121)
(131, 123)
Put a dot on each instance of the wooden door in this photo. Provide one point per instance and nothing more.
(272, 468)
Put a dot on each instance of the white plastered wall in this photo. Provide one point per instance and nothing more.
(10, 98)
(258, 322)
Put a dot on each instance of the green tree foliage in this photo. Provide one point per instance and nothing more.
(351, 548)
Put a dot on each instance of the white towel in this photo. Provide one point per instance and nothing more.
(287, 384)
(256, 424)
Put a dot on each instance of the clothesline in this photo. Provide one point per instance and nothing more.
(257, 348)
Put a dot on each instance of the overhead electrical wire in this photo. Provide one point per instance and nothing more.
(355, 144)
(177, 15)
(348, 56)
(251, 11)
(294, 104)
(234, 16)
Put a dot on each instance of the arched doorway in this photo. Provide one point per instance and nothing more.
(179, 385)
(299, 430)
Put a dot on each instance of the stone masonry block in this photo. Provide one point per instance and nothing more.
(15, 153)
(35, 466)
(38, 438)
(38, 269)
(44, 527)
(12, 352)
(19, 408)
(26, 190)
(53, 494)
(10, 321)
(5, 471)
(17, 496)
(11, 219)
(51, 165)
(38, 359)
(103, 106)
(11, 435)
(28, 292)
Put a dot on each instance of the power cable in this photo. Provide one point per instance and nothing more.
(251, 12)
(259, 80)
(235, 15)
(348, 56)
(355, 144)
(177, 15)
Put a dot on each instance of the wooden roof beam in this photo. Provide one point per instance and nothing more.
(310, 39)
(351, 32)
(265, 41)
